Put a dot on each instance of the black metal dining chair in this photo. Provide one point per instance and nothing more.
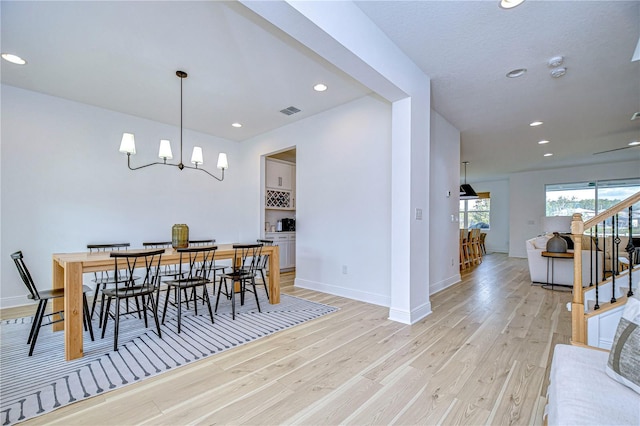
(43, 296)
(218, 269)
(145, 292)
(102, 279)
(195, 270)
(247, 258)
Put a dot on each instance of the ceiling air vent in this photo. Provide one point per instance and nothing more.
(289, 111)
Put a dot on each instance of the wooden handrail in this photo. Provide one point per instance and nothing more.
(578, 317)
(624, 204)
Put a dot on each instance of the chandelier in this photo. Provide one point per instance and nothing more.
(128, 146)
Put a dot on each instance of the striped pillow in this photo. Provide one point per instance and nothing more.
(624, 358)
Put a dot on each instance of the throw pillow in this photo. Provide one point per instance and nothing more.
(624, 358)
(569, 239)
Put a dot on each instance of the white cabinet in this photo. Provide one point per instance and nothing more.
(280, 185)
(279, 175)
(287, 243)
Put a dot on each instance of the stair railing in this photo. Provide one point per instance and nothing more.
(603, 232)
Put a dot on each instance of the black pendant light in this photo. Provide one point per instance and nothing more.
(466, 191)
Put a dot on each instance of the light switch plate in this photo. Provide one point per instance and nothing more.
(418, 214)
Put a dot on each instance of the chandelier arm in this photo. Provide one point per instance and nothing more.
(203, 170)
(147, 165)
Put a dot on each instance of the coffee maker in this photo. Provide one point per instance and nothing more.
(288, 225)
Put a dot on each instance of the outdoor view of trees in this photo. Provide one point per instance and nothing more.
(565, 206)
(477, 213)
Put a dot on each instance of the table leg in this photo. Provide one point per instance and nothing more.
(58, 282)
(73, 311)
(274, 276)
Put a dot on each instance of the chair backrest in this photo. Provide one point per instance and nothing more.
(158, 244)
(264, 258)
(103, 276)
(200, 243)
(25, 275)
(147, 261)
(166, 270)
(247, 257)
(93, 248)
(197, 262)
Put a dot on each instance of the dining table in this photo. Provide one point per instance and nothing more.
(68, 270)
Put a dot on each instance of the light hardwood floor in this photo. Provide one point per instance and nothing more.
(481, 357)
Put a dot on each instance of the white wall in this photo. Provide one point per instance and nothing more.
(443, 232)
(527, 195)
(64, 185)
(343, 197)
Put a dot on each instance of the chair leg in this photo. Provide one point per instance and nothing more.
(264, 282)
(38, 325)
(205, 296)
(166, 303)
(144, 311)
(219, 291)
(154, 308)
(102, 308)
(117, 326)
(95, 299)
(179, 302)
(35, 322)
(87, 316)
(255, 292)
(104, 312)
(233, 299)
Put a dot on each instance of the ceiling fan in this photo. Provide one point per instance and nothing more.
(635, 145)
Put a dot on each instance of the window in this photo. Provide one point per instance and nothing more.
(588, 198)
(476, 213)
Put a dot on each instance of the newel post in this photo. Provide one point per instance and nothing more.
(578, 332)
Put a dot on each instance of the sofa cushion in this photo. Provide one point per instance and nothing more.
(624, 358)
(581, 393)
(540, 242)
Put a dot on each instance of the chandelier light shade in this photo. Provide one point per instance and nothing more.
(196, 157)
(165, 150)
(466, 191)
(128, 146)
(222, 161)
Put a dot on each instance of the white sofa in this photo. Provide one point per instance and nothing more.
(581, 393)
(562, 268)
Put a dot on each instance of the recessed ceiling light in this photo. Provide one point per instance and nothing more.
(558, 72)
(535, 123)
(543, 142)
(510, 4)
(320, 87)
(548, 154)
(556, 61)
(14, 59)
(518, 72)
(236, 124)
(634, 143)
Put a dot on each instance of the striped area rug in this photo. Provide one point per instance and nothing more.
(31, 386)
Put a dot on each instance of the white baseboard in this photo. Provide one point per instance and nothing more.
(410, 317)
(14, 302)
(349, 293)
(439, 286)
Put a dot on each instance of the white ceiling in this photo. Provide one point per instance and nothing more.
(123, 56)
